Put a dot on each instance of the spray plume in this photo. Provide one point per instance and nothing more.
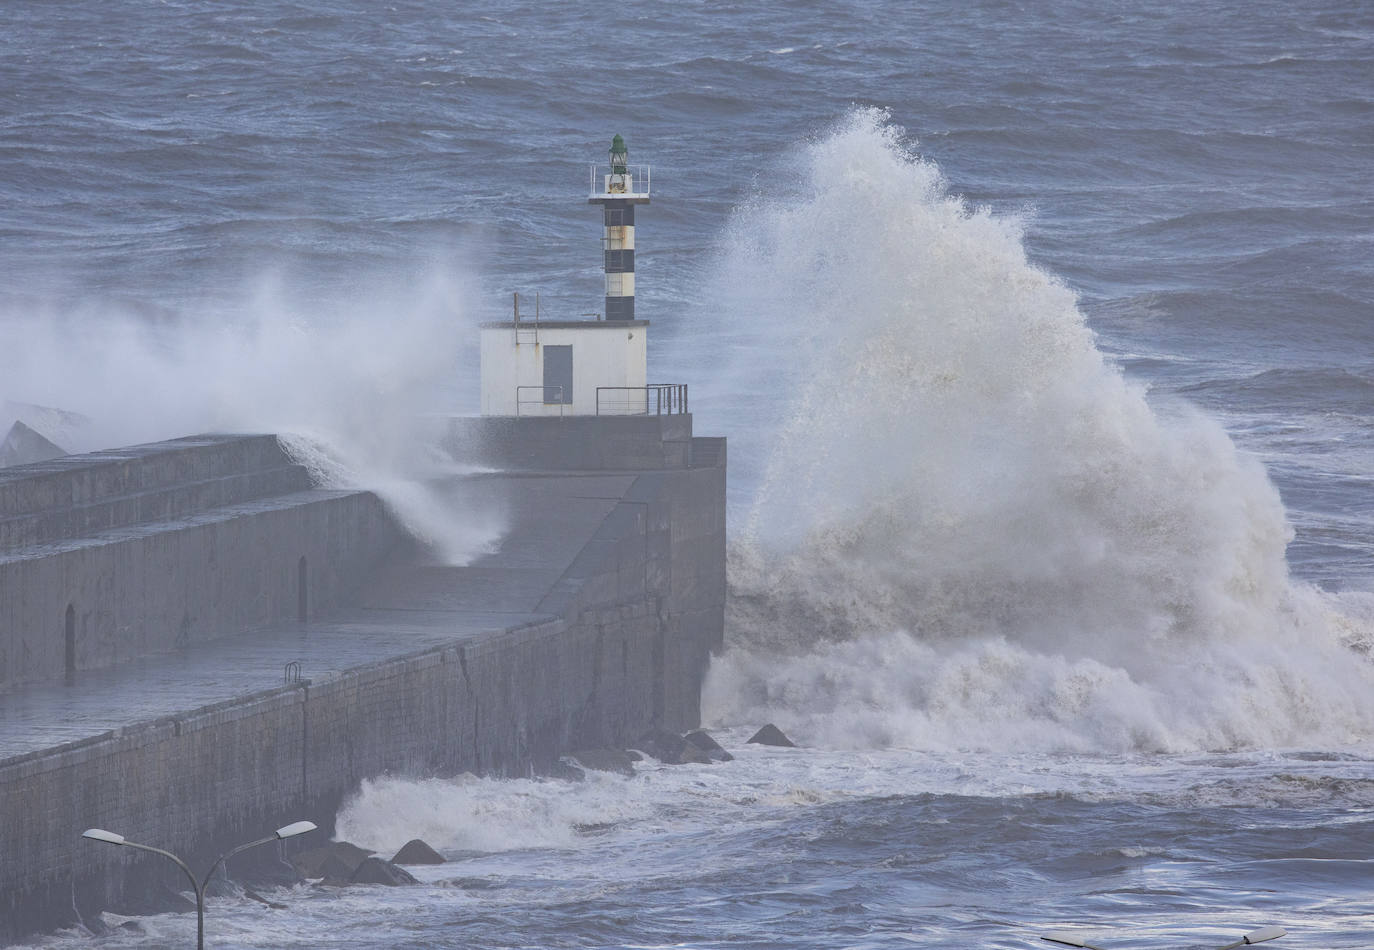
(969, 527)
(348, 391)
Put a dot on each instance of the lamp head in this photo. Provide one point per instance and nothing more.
(1068, 940)
(620, 156)
(100, 834)
(295, 828)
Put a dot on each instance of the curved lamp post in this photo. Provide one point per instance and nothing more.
(1254, 936)
(109, 837)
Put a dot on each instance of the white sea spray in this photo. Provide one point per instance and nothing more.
(353, 389)
(970, 528)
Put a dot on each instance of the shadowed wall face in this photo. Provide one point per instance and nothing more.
(70, 639)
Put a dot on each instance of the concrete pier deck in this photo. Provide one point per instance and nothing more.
(408, 607)
(97, 704)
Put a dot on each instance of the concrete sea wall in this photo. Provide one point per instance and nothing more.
(594, 648)
(227, 773)
(115, 555)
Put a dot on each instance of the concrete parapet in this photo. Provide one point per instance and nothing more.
(75, 495)
(119, 554)
(574, 443)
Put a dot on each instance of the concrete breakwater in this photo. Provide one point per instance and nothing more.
(590, 622)
(118, 554)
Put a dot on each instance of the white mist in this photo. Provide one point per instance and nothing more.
(969, 529)
(352, 389)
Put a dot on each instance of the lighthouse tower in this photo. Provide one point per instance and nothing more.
(619, 189)
(533, 366)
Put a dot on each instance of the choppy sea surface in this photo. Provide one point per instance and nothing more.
(1044, 338)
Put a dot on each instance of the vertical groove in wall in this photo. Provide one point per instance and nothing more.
(302, 590)
(660, 633)
(69, 638)
(305, 745)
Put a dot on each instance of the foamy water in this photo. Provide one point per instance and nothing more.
(974, 531)
(888, 847)
(1048, 399)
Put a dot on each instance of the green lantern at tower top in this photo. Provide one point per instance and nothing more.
(620, 156)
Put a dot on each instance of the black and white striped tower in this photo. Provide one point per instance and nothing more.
(618, 188)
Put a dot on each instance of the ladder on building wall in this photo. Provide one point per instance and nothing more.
(526, 333)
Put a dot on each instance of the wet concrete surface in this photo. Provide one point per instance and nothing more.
(408, 606)
(95, 702)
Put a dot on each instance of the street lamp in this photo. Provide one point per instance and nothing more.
(289, 831)
(1254, 936)
(1257, 936)
(1069, 940)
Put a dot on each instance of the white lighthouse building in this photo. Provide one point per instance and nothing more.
(537, 367)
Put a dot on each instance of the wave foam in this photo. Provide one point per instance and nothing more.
(467, 813)
(971, 528)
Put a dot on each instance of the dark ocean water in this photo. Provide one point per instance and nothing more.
(1012, 479)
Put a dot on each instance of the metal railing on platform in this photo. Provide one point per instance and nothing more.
(634, 181)
(658, 399)
(543, 402)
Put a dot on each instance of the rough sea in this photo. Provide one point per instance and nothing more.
(1043, 334)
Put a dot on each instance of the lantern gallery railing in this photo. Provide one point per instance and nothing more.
(630, 180)
(657, 399)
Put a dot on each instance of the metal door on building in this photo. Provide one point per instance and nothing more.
(558, 374)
